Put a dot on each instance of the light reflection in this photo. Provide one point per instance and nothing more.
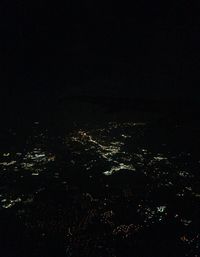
(121, 166)
(161, 208)
(36, 161)
(152, 214)
(160, 158)
(8, 203)
(110, 151)
(184, 173)
(10, 163)
(186, 222)
(6, 154)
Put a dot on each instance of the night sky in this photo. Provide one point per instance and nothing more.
(148, 50)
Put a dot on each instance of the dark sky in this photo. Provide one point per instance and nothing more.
(149, 49)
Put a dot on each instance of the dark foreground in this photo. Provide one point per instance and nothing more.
(84, 180)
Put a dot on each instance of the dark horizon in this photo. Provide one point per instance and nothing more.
(149, 51)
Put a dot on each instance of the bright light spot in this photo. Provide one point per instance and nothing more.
(121, 166)
(161, 208)
(7, 163)
(6, 154)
